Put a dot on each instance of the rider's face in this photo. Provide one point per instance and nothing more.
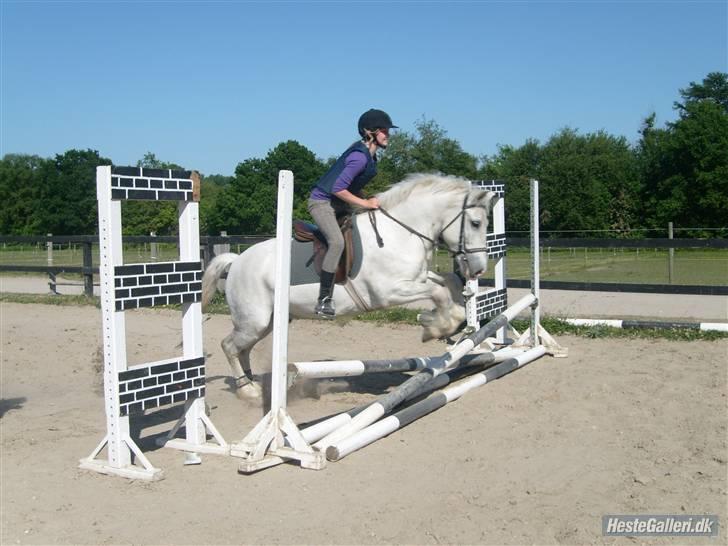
(382, 137)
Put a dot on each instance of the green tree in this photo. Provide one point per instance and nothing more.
(247, 205)
(685, 165)
(20, 185)
(587, 182)
(428, 150)
(714, 89)
(515, 166)
(144, 217)
(67, 195)
(210, 189)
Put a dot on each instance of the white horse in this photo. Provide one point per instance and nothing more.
(414, 215)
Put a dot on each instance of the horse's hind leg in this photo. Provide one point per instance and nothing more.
(237, 347)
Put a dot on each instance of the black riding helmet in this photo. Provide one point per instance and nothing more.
(374, 119)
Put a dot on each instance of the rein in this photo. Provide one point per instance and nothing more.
(462, 249)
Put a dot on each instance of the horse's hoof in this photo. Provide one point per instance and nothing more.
(249, 391)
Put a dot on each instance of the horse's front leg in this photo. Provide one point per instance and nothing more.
(445, 292)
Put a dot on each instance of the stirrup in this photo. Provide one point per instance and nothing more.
(325, 308)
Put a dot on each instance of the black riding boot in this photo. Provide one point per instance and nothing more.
(325, 305)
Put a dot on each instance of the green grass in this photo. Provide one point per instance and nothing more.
(639, 266)
(49, 299)
(400, 315)
(691, 266)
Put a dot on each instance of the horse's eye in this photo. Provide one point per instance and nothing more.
(475, 223)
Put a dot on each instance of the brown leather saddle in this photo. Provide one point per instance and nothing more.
(305, 232)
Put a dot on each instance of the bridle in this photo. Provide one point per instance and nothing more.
(462, 249)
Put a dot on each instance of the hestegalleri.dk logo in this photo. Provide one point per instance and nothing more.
(660, 525)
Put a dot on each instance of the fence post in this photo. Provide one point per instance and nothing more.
(49, 259)
(209, 252)
(223, 247)
(49, 250)
(52, 282)
(88, 273)
(154, 247)
(670, 255)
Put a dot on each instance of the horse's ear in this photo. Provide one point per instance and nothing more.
(485, 198)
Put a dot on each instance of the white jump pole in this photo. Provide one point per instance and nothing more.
(499, 227)
(276, 437)
(535, 265)
(320, 369)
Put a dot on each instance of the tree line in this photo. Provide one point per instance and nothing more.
(590, 183)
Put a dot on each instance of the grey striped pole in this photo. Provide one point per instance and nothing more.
(321, 369)
(435, 366)
(433, 402)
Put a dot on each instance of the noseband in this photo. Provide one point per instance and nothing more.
(462, 249)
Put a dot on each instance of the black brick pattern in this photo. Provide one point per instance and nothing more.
(161, 384)
(138, 183)
(495, 186)
(491, 304)
(496, 245)
(163, 283)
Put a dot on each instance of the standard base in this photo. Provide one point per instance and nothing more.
(276, 440)
(131, 472)
(545, 339)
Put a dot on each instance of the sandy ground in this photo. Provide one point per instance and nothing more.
(538, 457)
(561, 303)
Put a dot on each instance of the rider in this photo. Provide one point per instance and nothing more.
(339, 189)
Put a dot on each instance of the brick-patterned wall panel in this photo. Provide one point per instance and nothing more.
(496, 245)
(137, 183)
(491, 303)
(160, 384)
(163, 283)
(498, 188)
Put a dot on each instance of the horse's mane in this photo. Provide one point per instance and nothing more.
(422, 182)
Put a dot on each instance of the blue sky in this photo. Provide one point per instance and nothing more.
(210, 84)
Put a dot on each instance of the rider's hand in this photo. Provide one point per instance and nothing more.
(373, 203)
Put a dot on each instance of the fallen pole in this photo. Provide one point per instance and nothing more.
(433, 402)
(322, 369)
(435, 366)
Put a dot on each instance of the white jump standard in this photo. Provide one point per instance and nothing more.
(131, 390)
(276, 437)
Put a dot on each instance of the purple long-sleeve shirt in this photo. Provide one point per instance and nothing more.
(353, 166)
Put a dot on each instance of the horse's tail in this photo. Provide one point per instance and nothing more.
(211, 280)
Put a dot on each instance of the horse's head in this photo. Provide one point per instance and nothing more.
(432, 206)
(465, 234)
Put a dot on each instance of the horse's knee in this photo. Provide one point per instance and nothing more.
(229, 347)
